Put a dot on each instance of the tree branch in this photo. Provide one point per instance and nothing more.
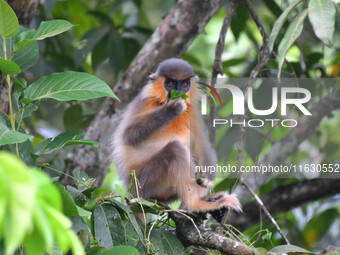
(286, 197)
(186, 231)
(171, 38)
(217, 68)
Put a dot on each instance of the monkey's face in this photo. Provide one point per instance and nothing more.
(176, 84)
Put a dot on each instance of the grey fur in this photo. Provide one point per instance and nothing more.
(156, 172)
(142, 128)
(174, 68)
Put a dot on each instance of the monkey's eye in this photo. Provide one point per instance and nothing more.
(184, 84)
(170, 83)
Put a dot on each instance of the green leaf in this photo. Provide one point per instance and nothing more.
(124, 208)
(172, 245)
(279, 23)
(46, 29)
(90, 39)
(21, 201)
(73, 117)
(3, 199)
(9, 25)
(108, 226)
(62, 140)
(322, 16)
(8, 136)
(121, 191)
(68, 86)
(19, 81)
(293, 32)
(26, 58)
(239, 21)
(9, 67)
(69, 207)
(284, 249)
(178, 94)
(318, 226)
(122, 250)
(115, 51)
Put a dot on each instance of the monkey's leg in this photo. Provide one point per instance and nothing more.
(156, 175)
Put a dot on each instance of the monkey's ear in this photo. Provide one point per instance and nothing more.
(195, 78)
(153, 76)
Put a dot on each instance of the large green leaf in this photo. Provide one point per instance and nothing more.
(322, 16)
(279, 23)
(8, 67)
(68, 86)
(9, 25)
(8, 136)
(293, 32)
(46, 29)
(62, 140)
(20, 204)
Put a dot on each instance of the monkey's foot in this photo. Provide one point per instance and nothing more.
(230, 201)
(219, 214)
(224, 200)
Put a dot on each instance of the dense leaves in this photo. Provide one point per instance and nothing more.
(37, 214)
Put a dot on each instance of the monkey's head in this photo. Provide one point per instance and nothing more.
(173, 74)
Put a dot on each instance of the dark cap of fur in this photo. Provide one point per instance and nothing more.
(174, 68)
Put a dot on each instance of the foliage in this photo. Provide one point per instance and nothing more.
(65, 86)
(29, 217)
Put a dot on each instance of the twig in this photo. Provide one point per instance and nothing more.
(153, 224)
(263, 58)
(217, 67)
(260, 203)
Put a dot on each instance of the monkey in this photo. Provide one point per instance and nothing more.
(162, 140)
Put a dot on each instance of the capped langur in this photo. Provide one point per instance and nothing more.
(163, 139)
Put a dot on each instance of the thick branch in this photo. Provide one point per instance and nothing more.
(172, 37)
(286, 197)
(187, 232)
(290, 143)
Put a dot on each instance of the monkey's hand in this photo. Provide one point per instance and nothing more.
(176, 106)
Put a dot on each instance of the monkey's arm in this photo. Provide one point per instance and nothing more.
(145, 124)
